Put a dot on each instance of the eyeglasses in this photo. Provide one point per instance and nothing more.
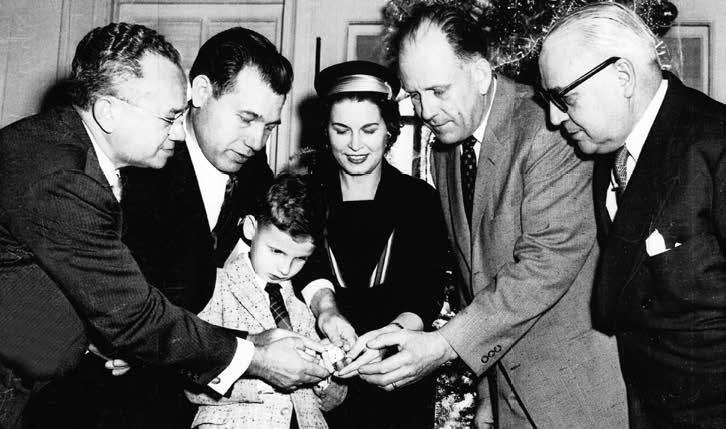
(557, 98)
(169, 121)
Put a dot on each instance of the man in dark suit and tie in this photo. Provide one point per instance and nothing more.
(660, 202)
(183, 221)
(517, 204)
(67, 277)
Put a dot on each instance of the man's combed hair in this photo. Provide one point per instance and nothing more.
(222, 57)
(111, 55)
(293, 204)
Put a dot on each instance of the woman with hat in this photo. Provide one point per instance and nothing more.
(385, 244)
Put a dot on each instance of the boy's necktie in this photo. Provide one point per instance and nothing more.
(277, 306)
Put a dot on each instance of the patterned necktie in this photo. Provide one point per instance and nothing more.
(621, 169)
(277, 306)
(468, 174)
(226, 210)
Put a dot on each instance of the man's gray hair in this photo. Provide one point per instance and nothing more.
(611, 29)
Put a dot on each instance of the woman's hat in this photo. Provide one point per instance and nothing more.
(357, 76)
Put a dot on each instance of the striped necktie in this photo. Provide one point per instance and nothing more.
(277, 306)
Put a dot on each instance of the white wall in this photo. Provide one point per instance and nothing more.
(714, 13)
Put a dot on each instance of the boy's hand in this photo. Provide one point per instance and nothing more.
(337, 328)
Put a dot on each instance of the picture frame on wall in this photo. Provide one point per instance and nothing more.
(364, 42)
(689, 46)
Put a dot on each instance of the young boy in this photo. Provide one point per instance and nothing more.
(249, 289)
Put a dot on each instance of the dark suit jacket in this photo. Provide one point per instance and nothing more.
(669, 310)
(528, 264)
(65, 273)
(166, 227)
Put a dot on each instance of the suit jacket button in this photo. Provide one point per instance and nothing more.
(646, 303)
(284, 410)
(485, 359)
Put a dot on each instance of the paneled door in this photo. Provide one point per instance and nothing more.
(188, 24)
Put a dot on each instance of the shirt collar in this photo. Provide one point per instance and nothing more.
(202, 167)
(110, 172)
(479, 133)
(636, 139)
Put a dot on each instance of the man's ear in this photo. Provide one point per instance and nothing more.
(104, 114)
(626, 76)
(249, 227)
(202, 90)
(482, 75)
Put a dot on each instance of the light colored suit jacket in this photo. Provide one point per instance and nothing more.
(239, 303)
(527, 266)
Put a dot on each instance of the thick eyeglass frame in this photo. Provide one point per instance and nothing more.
(169, 121)
(557, 99)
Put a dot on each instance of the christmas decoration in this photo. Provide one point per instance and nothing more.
(515, 28)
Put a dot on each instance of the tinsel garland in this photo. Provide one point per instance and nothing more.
(515, 28)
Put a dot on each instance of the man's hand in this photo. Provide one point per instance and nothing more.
(330, 322)
(419, 354)
(266, 337)
(281, 359)
(363, 355)
(116, 366)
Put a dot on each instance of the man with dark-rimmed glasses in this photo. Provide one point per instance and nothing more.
(660, 202)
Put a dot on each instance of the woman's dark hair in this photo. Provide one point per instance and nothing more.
(388, 108)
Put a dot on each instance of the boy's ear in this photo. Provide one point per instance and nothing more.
(249, 227)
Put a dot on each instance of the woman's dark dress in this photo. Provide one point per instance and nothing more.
(358, 232)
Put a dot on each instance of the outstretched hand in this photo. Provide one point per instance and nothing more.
(419, 353)
(281, 359)
(362, 354)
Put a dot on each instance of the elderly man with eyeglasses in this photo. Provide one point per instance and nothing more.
(660, 202)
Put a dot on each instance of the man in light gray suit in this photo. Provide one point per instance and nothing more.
(518, 206)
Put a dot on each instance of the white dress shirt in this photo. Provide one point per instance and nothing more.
(479, 133)
(634, 144)
(212, 182)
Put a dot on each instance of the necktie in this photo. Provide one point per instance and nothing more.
(468, 174)
(277, 306)
(226, 210)
(621, 168)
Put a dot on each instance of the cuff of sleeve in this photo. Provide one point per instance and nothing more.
(314, 287)
(240, 362)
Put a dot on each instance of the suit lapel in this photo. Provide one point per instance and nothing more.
(462, 236)
(496, 135)
(652, 181)
(249, 295)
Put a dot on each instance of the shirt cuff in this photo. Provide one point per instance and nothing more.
(240, 362)
(314, 287)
